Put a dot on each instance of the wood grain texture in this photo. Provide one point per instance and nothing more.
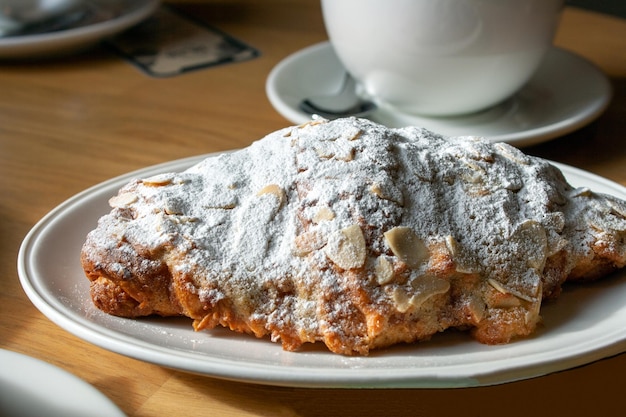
(67, 124)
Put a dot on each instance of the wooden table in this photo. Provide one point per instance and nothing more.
(67, 124)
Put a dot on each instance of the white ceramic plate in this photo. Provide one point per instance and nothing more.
(30, 387)
(566, 93)
(104, 18)
(585, 324)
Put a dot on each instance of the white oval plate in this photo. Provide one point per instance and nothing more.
(118, 15)
(566, 93)
(31, 387)
(585, 324)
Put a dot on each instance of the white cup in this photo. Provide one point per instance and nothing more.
(441, 57)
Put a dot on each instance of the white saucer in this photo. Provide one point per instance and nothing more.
(31, 387)
(566, 93)
(104, 18)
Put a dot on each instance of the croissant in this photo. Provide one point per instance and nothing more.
(354, 235)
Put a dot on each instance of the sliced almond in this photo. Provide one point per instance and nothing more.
(556, 245)
(354, 135)
(308, 242)
(618, 208)
(531, 235)
(427, 286)
(312, 123)
(473, 178)
(123, 200)
(174, 206)
(474, 166)
(511, 153)
(383, 270)
(400, 299)
(455, 253)
(341, 151)
(346, 248)
(346, 156)
(323, 214)
(475, 150)
(158, 180)
(498, 287)
(173, 210)
(405, 244)
(184, 219)
(325, 152)
(452, 245)
(532, 315)
(228, 206)
(476, 307)
(274, 190)
(376, 190)
(505, 301)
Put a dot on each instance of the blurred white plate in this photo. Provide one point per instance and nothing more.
(566, 93)
(30, 387)
(585, 324)
(103, 18)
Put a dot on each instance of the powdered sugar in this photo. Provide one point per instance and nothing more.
(446, 186)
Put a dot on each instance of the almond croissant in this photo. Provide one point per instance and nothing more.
(354, 235)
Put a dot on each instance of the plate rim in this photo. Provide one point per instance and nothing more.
(231, 369)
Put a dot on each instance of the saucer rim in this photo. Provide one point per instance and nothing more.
(31, 386)
(534, 135)
(50, 44)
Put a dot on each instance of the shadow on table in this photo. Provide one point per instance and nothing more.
(614, 7)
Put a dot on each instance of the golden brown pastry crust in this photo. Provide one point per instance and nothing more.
(354, 235)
